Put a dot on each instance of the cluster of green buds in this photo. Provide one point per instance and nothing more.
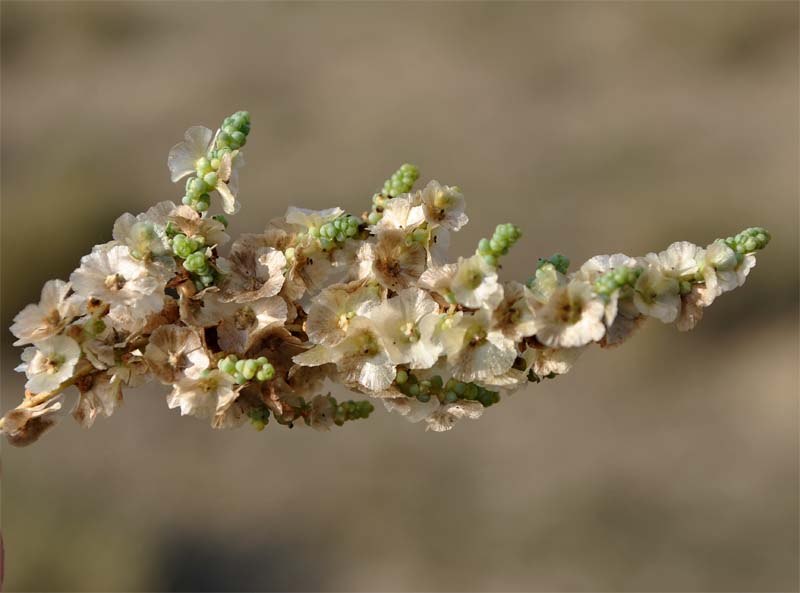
(233, 133)
(200, 268)
(259, 417)
(351, 410)
(195, 258)
(748, 241)
(558, 261)
(447, 392)
(545, 279)
(184, 246)
(247, 369)
(231, 137)
(504, 237)
(615, 280)
(400, 182)
(333, 234)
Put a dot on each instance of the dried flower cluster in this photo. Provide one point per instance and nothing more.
(370, 302)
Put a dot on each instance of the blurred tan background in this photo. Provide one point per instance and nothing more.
(670, 464)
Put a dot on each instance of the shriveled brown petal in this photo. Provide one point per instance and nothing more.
(23, 426)
(256, 270)
(100, 396)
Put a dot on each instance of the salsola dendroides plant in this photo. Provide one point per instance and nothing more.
(371, 302)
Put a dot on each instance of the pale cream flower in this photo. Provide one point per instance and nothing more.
(183, 157)
(443, 206)
(545, 282)
(361, 357)
(322, 413)
(553, 361)
(722, 272)
(406, 323)
(401, 213)
(201, 309)
(48, 363)
(231, 410)
(598, 265)
(392, 260)
(244, 323)
(311, 269)
(437, 246)
(175, 351)
(50, 316)
(332, 310)
(201, 396)
(437, 279)
(132, 289)
(681, 260)
(253, 270)
(657, 294)
(445, 417)
(311, 220)
(100, 395)
(475, 284)
(190, 223)
(515, 315)
(475, 349)
(411, 408)
(572, 317)
(23, 426)
(144, 233)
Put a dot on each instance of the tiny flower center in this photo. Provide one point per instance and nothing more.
(53, 363)
(344, 320)
(475, 335)
(474, 279)
(410, 331)
(53, 317)
(244, 318)
(367, 345)
(114, 282)
(209, 384)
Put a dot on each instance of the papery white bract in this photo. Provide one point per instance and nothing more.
(49, 363)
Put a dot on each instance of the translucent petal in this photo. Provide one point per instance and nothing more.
(183, 156)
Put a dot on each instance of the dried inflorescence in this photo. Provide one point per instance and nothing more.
(321, 297)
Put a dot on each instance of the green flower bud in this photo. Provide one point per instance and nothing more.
(559, 262)
(436, 383)
(471, 392)
(211, 179)
(249, 369)
(401, 181)
(402, 377)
